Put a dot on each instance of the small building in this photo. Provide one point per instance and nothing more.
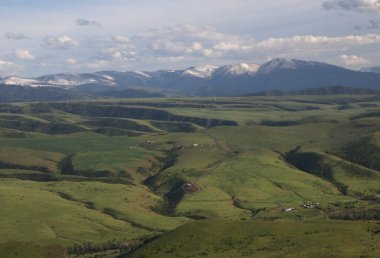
(310, 205)
(189, 188)
(288, 209)
(195, 145)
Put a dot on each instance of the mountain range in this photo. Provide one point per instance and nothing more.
(231, 80)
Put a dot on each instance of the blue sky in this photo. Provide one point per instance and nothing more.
(52, 36)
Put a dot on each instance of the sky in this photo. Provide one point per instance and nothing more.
(40, 37)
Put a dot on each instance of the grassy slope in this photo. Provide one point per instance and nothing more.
(257, 180)
(90, 153)
(38, 215)
(14, 249)
(30, 158)
(223, 238)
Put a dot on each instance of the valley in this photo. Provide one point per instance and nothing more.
(191, 177)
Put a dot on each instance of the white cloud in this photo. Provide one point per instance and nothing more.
(182, 42)
(71, 61)
(170, 59)
(225, 46)
(11, 35)
(353, 5)
(7, 67)
(24, 54)
(320, 40)
(189, 44)
(188, 41)
(98, 64)
(61, 42)
(167, 47)
(120, 48)
(182, 35)
(353, 60)
(122, 42)
(121, 39)
(117, 54)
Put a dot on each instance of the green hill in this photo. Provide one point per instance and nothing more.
(267, 176)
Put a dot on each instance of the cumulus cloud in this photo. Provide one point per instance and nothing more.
(175, 49)
(23, 54)
(320, 40)
(188, 41)
(119, 49)
(122, 42)
(353, 60)
(226, 46)
(121, 39)
(190, 44)
(302, 46)
(11, 35)
(117, 54)
(7, 67)
(71, 61)
(353, 5)
(84, 22)
(61, 42)
(187, 33)
(182, 42)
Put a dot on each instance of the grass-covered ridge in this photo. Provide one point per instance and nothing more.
(221, 238)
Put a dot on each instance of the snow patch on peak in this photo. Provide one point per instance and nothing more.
(107, 77)
(67, 80)
(242, 68)
(201, 71)
(277, 64)
(61, 81)
(142, 74)
(14, 80)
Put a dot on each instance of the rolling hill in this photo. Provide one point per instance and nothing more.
(102, 178)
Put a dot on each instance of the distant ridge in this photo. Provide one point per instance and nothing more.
(329, 90)
(279, 74)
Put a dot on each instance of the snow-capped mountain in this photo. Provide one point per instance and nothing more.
(277, 74)
(239, 69)
(200, 71)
